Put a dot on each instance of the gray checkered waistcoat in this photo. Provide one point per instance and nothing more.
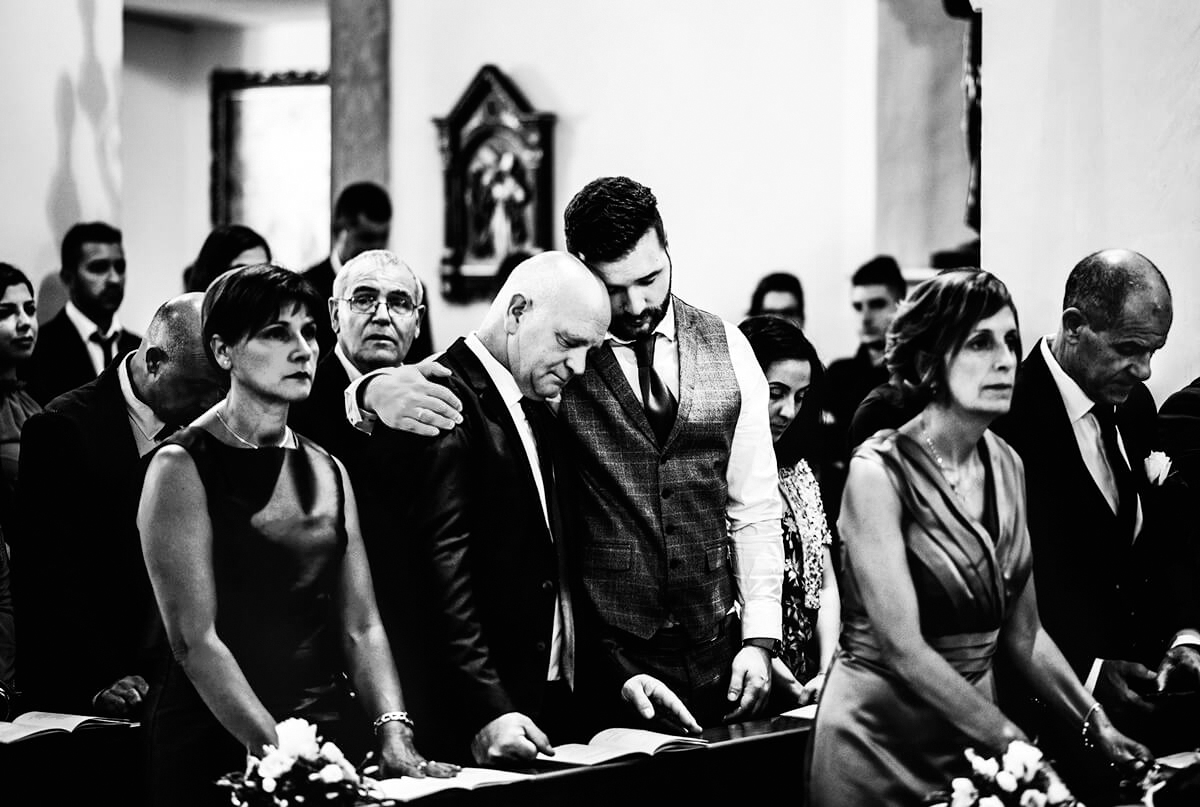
(654, 543)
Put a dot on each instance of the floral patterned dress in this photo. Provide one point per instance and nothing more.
(805, 536)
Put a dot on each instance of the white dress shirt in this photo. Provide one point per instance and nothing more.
(753, 509)
(142, 420)
(86, 328)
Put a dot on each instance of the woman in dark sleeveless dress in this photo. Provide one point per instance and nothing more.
(937, 571)
(251, 539)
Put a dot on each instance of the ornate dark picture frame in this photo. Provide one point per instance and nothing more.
(497, 158)
(265, 126)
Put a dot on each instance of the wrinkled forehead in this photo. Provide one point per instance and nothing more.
(382, 278)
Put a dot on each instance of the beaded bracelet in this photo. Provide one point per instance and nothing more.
(392, 717)
(1087, 719)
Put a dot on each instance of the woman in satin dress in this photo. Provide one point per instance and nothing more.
(937, 571)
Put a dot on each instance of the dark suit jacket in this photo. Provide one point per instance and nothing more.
(86, 610)
(1100, 594)
(60, 360)
(322, 419)
(467, 577)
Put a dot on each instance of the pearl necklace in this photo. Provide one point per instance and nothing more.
(248, 443)
(937, 458)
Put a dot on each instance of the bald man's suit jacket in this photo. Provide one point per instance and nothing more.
(467, 576)
(1101, 594)
(86, 614)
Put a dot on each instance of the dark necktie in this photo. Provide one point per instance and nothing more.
(656, 398)
(1106, 416)
(541, 423)
(106, 344)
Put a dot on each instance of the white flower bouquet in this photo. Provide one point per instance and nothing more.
(301, 770)
(1019, 778)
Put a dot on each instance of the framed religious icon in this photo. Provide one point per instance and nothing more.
(497, 165)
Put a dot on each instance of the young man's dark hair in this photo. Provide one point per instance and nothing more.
(361, 199)
(89, 232)
(607, 218)
(882, 270)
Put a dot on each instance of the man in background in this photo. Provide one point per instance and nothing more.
(88, 617)
(876, 289)
(77, 345)
(362, 221)
(375, 308)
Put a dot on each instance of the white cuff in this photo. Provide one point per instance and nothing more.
(1094, 675)
(1186, 636)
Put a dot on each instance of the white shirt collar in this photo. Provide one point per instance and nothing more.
(139, 411)
(85, 326)
(505, 384)
(1076, 401)
(665, 327)
(351, 371)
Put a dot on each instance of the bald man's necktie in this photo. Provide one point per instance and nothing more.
(1106, 416)
(106, 343)
(656, 398)
(541, 423)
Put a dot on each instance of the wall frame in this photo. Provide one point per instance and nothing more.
(270, 170)
(497, 158)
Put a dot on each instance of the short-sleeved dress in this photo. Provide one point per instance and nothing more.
(278, 542)
(878, 739)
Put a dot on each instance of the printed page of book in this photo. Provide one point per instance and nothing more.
(806, 712)
(407, 788)
(615, 743)
(66, 722)
(11, 732)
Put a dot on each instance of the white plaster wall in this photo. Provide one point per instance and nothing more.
(753, 122)
(1091, 139)
(60, 94)
(167, 147)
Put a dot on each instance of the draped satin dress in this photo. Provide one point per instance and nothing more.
(879, 738)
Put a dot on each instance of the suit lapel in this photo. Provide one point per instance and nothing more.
(1058, 433)
(461, 359)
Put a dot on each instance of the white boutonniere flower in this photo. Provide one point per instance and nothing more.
(1158, 467)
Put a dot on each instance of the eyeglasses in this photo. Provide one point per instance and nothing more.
(400, 305)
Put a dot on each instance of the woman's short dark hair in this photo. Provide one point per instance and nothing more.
(12, 276)
(774, 339)
(777, 281)
(223, 244)
(934, 322)
(245, 300)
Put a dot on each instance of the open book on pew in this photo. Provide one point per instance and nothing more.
(35, 724)
(407, 788)
(618, 743)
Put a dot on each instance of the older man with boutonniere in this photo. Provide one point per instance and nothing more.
(1116, 584)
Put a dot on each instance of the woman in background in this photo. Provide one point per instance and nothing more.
(227, 247)
(779, 294)
(18, 335)
(251, 539)
(811, 606)
(937, 572)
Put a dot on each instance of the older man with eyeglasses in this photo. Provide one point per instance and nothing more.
(376, 311)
